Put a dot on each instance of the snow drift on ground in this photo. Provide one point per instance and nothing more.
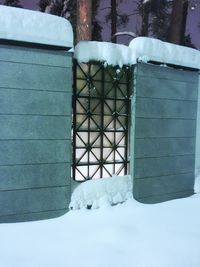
(126, 235)
(101, 192)
(36, 27)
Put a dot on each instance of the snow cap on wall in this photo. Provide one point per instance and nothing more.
(24, 25)
(140, 49)
(112, 54)
(159, 51)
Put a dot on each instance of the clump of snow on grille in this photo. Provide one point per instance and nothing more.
(112, 54)
(102, 192)
(24, 25)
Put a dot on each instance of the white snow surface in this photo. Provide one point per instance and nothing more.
(140, 49)
(126, 235)
(102, 192)
(197, 184)
(112, 54)
(156, 50)
(36, 27)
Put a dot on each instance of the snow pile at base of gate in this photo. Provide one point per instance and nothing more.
(18, 24)
(140, 49)
(102, 192)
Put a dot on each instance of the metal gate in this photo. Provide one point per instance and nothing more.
(100, 120)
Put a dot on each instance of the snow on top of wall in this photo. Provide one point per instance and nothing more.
(102, 192)
(112, 54)
(156, 50)
(19, 24)
(140, 49)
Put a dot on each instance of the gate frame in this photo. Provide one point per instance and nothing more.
(127, 70)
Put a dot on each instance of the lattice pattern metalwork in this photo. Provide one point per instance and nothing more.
(100, 121)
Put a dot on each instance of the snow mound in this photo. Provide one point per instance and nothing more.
(102, 192)
(112, 54)
(132, 234)
(24, 25)
(164, 52)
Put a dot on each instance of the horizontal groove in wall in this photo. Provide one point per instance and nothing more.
(33, 164)
(36, 139)
(167, 194)
(173, 137)
(164, 78)
(38, 89)
(7, 140)
(35, 64)
(176, 119)
(163, 175)
(171, 99)
(38, 54)
(165, 118)
(34, 212)
(164, 137)
(35, 188)
(38, 115)
(165, 156)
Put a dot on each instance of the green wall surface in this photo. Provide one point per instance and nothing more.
(35, 133)
(164, 110)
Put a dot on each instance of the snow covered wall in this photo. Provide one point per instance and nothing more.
(24, 25)
(35, 115)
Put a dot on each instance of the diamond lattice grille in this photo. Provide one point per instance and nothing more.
(100, 123)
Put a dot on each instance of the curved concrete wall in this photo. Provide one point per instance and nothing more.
(35, 133)
(165, 110)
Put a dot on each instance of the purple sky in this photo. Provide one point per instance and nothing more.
(192, 21)
(30, 4)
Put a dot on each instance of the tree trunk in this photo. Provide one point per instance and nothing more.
(113, 20)
(145, 19)
(178, 21)
(84, 20)
(184, 21)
